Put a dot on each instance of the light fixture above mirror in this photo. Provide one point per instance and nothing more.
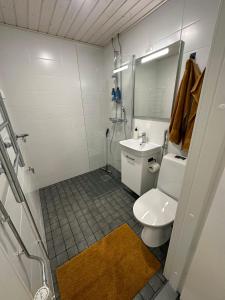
(120, 69)
(155, 55)
(156, 79)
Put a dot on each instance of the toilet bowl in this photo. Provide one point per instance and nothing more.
(156, 209)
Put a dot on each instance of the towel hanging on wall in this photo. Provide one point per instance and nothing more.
(185, 107)
(195, 92)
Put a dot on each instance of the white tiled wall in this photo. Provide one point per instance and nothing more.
(191, 20)
(90, 61)
(54, 89)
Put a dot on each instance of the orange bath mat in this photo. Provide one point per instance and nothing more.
(114, 268)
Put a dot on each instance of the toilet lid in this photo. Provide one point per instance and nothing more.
(155, 208)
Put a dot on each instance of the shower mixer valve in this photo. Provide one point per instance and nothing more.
(22, 136)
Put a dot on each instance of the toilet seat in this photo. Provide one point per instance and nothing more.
(154, 208)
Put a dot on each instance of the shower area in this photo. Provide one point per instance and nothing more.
(119, 82)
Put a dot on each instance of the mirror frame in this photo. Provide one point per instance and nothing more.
(179, 63)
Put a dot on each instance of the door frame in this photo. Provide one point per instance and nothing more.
(206, 161)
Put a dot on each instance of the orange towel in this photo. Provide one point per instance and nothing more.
(195, 92)
(183, 106)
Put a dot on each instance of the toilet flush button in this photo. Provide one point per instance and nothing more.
(222, 106)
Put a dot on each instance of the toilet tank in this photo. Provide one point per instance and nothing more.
(171, 175)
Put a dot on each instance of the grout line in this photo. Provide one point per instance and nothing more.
(82, 103)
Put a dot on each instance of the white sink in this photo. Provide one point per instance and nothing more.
(135, 147)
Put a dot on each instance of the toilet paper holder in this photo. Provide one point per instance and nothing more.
(152, 159)
(153, 166)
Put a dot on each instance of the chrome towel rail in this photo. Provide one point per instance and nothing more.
(15, 185)
(8, 126)
(10, 169)
(21, 243)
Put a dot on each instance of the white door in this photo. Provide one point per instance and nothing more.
(206, 277)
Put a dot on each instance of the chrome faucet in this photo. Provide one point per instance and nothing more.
(143, 138)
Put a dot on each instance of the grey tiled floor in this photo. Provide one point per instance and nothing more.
(79, 211)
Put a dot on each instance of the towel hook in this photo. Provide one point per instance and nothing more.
(193, 55)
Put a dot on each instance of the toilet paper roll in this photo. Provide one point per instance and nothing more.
(153, 167)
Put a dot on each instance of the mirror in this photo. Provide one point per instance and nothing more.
(156, 80)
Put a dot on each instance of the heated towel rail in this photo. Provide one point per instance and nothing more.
(11, 169)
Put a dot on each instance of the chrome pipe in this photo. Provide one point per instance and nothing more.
(16, 188)
(16, 164)
(165, 143)
(22, 245)
(11, 132)
(133, 92)
(3, 125)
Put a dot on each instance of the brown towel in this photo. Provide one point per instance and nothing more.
(183, 104)
(195, 92)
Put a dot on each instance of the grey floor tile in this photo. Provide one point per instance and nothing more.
(91, 240)
(72, 251)
(69, 243)
(53, 264)
(62, 258)
(60, 248)
(166, 293)
(98, 235)
(51, 253)
(82, 245)
(147, 292)
(155, 283)
(82, 210)
(138, 297)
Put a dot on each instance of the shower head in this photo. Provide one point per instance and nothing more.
(43, 293)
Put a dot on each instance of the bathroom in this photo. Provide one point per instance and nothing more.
(71, 206)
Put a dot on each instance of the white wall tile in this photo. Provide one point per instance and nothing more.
(45, 93)
(90, 61)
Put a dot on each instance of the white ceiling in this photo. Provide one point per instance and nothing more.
(90, 21)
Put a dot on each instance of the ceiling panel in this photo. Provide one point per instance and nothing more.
(72, 12)
(8, 11)
(150, 8)
(95, 14)
(129, 19)
(34, 11)
(90, 21)
(47, 10)
(58, 16)
(111, 9)
(1, 15)
(21, 13)
(86, 9)
(124, 9)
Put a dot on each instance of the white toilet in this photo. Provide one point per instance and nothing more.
(156, 209)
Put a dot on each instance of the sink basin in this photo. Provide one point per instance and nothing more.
(135, 147)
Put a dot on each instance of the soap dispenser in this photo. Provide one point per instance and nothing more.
(113, 94)
(135, 133)
(118, 95)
